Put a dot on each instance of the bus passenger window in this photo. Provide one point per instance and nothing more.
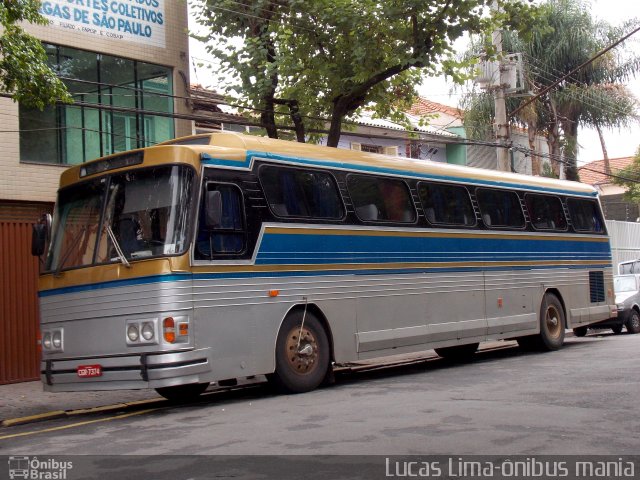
(546, 212)
(381, 199)
(446, 204)
(293, 192)
(500, 208)
(585, 216)
(228, 236)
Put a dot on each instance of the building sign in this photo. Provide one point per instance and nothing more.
(140, 21)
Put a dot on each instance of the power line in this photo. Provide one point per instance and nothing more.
(579, 67)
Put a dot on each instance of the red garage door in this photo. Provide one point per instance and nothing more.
(19, 353)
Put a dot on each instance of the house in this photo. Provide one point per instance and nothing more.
(611, 196)
(450, 119)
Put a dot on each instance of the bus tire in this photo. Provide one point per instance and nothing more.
(633, 322)
(551, 336)
(302, 353)
(580, 331)
(458, 352)
(182, 393)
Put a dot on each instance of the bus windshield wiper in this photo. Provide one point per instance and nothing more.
(116, 245)
(70, 249)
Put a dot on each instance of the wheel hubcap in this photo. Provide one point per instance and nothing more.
(553, 323)
(302, 350)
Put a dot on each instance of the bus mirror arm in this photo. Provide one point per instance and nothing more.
(213, 209)
(41, 233)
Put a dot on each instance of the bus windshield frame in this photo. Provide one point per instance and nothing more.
(147, 211)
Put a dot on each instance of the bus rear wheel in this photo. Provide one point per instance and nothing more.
(302, 353)
(458, 352)
(183, 393)
(551, 336)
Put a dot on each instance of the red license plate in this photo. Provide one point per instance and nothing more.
(86, 371)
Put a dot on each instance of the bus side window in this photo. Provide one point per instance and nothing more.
(500, 208)
(585, 216)
(228, 236)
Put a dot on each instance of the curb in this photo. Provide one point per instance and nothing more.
(12, 422)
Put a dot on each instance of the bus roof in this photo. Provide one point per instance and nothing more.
(236, 150)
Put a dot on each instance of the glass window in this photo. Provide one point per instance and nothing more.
(381, 199)
(546, 212)
(500, 208)
(147, 212)
(226, 234)
(585, 215)
(72, 134)
(446, 204)
(301, 193)
(76, 223)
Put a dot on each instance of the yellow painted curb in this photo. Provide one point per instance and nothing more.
(34, 418)
(105, 408)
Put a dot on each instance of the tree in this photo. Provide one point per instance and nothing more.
(24, 73)
(566, 37)
(336, 56)
(629, 178)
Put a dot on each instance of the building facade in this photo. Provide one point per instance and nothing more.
(126, 65)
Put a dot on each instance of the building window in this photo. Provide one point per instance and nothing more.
(120, 104)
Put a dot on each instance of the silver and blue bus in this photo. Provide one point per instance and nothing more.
(219, 257)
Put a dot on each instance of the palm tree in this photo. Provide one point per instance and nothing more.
(566, 37)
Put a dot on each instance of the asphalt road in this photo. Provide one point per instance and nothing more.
(582, 399)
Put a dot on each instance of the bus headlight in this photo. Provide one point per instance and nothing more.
(57, 339)
(52, 340)
(142, 332)
(147, 331)
(132, 333)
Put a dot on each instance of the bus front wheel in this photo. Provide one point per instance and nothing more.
(302, 353)
(551, 336)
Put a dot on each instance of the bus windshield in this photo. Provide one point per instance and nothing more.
(145, 211)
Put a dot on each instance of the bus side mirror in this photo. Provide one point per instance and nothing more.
(40, 235)
(213, 209)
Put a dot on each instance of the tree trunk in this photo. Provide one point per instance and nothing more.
(268, 118)
(553, 141)
(535, 159)
(340, 110)
(570, 128)
(607, 164)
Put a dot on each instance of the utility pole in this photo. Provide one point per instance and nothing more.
(502, 124)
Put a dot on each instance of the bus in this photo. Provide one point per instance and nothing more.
(220, 257)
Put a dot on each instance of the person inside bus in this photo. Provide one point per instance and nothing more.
(396, 202)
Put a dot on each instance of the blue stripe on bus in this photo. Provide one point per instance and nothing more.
(246, 164)
(172, 277)
(293, 273)
(282, 248)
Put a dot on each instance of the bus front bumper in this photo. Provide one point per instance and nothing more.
(146, 370)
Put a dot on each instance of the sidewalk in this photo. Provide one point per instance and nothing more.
(28, 398)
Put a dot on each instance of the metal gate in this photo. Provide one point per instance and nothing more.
(19, 352)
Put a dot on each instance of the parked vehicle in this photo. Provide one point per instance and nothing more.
(627, 290)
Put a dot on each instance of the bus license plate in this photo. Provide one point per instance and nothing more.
(86, 371)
